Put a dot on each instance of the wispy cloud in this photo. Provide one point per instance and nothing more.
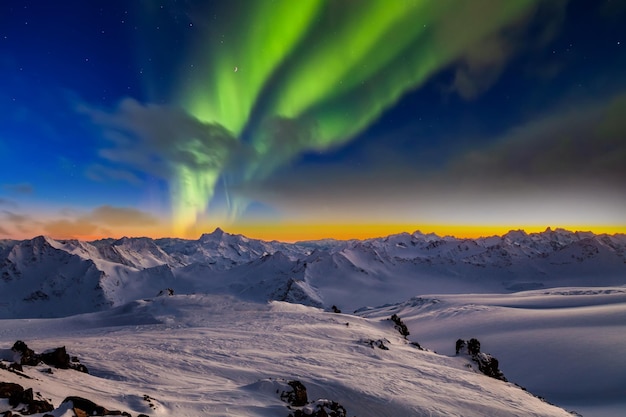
(7, 203)
(101, 221)
(120, 216)
(157, 139)
(21, 188)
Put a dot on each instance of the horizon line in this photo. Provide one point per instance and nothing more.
(294, 233)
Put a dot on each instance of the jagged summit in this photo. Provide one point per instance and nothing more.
(216, 234)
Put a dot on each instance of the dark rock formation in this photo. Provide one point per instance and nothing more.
(83, 408)
(487, 364)
(27, 355)
(9, 389)
(57, 357)
(379, 343)
(473, 347)
(297, 397)
(18, 396)
(322, 408)
(400, 326)
(318, 408)
(460, 344)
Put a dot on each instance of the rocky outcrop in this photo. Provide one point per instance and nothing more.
(321, 408)
(297, 399)
(23, 400)
(57, 357)
(400, 326)
(83, 407)
(487, 364)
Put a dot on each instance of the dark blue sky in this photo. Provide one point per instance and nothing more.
(521, 126)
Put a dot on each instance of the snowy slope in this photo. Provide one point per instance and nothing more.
(565, 344)
(218, 356)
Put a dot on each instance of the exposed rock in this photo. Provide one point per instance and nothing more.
(400, 326)
(487, 364)
(27, 355)
(9, 389)
(417, 345)
(473, 347)
(379, 343)
(297, 397)
(460, 344)
(56, 357)
(16, 367)
(83, 408)
(321, 408)
(17, 396)
(301, 407)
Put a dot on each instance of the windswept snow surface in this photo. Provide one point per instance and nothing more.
(565, 344)
(207, 355)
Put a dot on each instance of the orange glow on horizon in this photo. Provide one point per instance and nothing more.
(293, 232)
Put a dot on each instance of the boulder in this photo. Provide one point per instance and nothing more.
(19, 395)
(83, 408)
(321, 408)
(56, 357)
(298, 397)
(9, 389)
(27, 355)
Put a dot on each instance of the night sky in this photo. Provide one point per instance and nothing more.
(289, 120)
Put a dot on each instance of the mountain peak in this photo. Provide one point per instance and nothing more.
(218, 233)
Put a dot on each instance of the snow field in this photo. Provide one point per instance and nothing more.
(217, 356)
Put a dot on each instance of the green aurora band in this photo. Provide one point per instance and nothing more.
(309, 75)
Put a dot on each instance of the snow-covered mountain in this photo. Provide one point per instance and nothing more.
(39, 274)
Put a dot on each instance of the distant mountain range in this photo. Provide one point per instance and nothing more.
(43, 277)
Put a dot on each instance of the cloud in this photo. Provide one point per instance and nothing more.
(7, 203)
(157, 139)
(101, 173)
(14, 217)
(21, 188)
(21, 222)
(583, 144)
(121, 216)
(71, 224)
(481, 64)
(481, 67)
(64, 228)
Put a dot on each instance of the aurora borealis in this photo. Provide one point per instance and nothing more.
(311, 119)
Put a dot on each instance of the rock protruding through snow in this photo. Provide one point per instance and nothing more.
(487, 364)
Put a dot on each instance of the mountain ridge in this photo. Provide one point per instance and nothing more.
(35, 272)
